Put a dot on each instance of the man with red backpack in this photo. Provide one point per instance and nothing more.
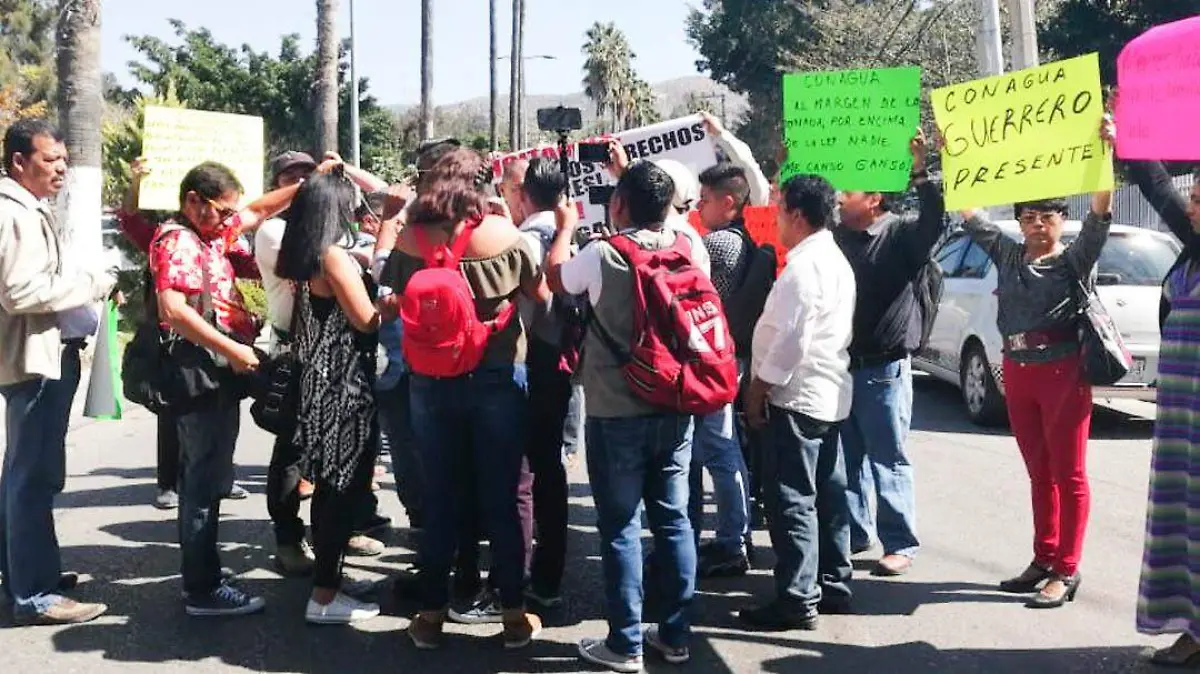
(656, 352)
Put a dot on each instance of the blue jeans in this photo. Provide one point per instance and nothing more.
(873, 442)
(573, 432)
(470, 427)
(804, 489)
(396, 438)
(37, 412)
(717, 447)
(630, 461)
(207, 440)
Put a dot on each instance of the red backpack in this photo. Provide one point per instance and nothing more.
(443, 336)
(681, 356)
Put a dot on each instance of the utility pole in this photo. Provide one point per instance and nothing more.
(989, 52)
(519, 59)
(1024, 32)
(355, 131)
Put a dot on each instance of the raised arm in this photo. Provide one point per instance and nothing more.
(365, 180)
(1152, 179)
(1085, 251)
(924, 233)
(741, 156)
(989, 237)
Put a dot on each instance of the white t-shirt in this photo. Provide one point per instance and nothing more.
(280, 295)
(582, 273)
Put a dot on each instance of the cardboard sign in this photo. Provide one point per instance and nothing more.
(685, 140)
(1031, 134)
(175, 140)
(852, 126)
(1158, 103)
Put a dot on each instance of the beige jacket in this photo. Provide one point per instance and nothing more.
(33, 287)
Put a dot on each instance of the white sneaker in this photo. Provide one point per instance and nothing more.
(343, 610)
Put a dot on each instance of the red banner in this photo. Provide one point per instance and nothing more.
(760, 225)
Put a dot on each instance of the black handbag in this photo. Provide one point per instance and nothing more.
(1105, 358)
(166, 373)
(277, 395)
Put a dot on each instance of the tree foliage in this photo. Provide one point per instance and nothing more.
(27, 70)
(1106, 26)
(207, 75)
(622, 98)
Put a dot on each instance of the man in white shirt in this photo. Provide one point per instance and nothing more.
(801, 391)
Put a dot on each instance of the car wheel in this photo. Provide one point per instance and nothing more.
(981, 395)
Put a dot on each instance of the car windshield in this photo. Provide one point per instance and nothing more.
(1134, 259)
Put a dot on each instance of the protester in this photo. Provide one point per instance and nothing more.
(46, 290)
(1166, 601)
(739, 155)
(480, 396)
(544, 186)
(801, 392)
(334, 338)
(888, 252)
(138, 227)
(635, 452)
(511, 183)
(286, 486)
(191, 271)
(1048, 396)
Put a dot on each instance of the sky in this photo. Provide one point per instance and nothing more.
(389, 38)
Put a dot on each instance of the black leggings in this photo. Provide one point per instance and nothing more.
(333, 519)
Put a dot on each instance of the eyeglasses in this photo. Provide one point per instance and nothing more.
(223, 212)
(1046, 217)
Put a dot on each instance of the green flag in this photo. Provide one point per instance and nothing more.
(104, 394)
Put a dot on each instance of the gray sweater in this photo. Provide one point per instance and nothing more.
(1039, 296)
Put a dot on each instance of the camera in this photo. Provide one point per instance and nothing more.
(593, 153)
(559, 119)
(601, 195)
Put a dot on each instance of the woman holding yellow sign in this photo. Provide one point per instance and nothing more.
(1048, 394)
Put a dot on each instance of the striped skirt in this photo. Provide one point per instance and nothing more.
(1169, 591)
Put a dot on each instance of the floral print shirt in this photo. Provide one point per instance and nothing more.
(177, 257)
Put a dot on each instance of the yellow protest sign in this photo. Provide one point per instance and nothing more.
(175, 140)
(1031, 134)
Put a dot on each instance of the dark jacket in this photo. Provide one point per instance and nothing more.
(1154, 181)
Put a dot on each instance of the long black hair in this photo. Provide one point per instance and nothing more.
(319, 217)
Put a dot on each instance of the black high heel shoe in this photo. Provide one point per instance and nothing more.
(1029, 581)
(1071, 584)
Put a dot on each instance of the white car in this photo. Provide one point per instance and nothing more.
(965, 345)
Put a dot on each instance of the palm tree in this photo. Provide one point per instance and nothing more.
(80, 106)
(638, 103)
(495, 85)
(426, 69)
(607, 70)
(327, 76)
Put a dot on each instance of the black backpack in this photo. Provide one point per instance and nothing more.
(745, 304)
(927, 288)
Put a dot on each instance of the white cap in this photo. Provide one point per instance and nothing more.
(687, 186)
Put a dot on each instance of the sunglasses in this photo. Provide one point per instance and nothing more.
(223, 212)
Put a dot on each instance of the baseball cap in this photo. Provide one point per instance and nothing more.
(291, 159)
(687, 186)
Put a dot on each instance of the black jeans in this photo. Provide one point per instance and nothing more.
(283, 491)
(334, 518)
(207, 439)
(167, 470)
(549, 398)
(804, 486)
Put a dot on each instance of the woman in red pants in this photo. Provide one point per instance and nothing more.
(1048, 396)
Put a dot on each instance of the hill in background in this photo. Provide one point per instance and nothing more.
(676, 98)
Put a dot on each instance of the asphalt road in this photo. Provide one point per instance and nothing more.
(943, 617)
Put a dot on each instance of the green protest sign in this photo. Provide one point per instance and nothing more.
(852, 126)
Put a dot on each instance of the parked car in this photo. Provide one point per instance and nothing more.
(965, 345)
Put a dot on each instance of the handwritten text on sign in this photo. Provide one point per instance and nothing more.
(1031, 134)
(852, 126)
(1158, 77)
(176, 140)
(684, 140)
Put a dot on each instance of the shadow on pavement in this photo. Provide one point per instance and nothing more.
(938, 408)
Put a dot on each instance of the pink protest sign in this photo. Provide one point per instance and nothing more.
(1158, 93)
